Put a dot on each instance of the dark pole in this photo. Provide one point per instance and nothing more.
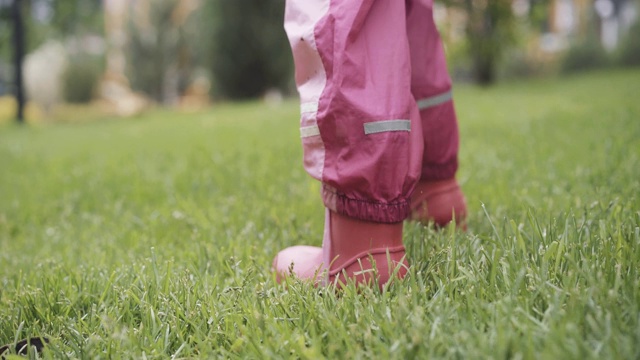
(18, 56)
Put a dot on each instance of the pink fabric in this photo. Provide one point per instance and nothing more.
(431, 78)
(302, 18)
(363, 62)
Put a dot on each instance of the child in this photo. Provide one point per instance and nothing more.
(378, 129)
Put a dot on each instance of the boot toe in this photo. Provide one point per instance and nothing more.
(303, 261)
(439, 202)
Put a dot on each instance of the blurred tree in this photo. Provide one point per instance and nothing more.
(5, 27)
(630, 48)
(76, 21)
(5, 44)
(44, 20)
(538, 15)
(160, 56)
(18, 41)
(64, 18)
(490, 30)
(75, 17)
(249, 53)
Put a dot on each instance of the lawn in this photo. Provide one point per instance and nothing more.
(153, 237)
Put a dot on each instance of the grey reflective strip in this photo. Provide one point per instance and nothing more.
(387, 125)
(309, 107)
(308, 131)
(434, 100)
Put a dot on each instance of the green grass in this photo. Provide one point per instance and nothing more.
(153, 237)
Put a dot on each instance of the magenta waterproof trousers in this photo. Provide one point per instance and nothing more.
(376, 108)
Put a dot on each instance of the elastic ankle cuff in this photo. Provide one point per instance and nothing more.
(388, 213)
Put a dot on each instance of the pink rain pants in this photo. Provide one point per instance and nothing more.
(376, 108)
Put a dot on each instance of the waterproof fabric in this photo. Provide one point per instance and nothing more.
(376, 108)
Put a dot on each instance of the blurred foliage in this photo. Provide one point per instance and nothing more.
(490, 31)
(250, 52)
(160, 52)
(521, 64)
(495, 38)
(242, 47)
(81, 78)
(629, 54)
(585, 55)
(74, 17)
(538, 15)
(586, 52)
(45, 20)
(5, 31)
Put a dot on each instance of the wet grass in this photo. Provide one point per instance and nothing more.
(153, 237)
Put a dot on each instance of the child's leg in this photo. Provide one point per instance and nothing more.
(360, 126)
(437, 195)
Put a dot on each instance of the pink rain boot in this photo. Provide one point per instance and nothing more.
(349, 245)
(439, 201)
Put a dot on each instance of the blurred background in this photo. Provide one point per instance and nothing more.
(73, 60)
